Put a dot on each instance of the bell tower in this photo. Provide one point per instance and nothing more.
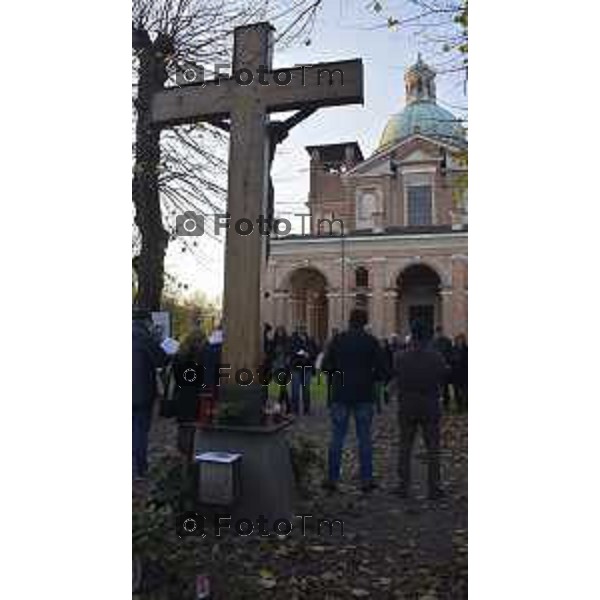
(419, 83)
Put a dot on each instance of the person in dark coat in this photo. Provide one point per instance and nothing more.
(279, 364)
(146, 358)
(460, 371)
(443, 345)
(268, 344)
(418, 374)
(355, 362)
(192, 356)
(303, 354)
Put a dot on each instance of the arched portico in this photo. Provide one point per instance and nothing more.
(418, 298)
(308, 289)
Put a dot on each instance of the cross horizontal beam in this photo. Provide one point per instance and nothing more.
(323, 84)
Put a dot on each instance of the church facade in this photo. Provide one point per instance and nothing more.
(387, 233)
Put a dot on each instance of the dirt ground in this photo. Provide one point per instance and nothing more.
(391, 548)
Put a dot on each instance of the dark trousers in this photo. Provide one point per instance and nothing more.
(460, 393)
(301, 385)
(445, 391)
(142, 419)
(284, 399)
(430, 430)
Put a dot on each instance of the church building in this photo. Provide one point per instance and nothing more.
(387, 233)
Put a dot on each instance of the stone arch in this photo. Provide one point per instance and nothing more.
(308, 287)
(418, 298)
(434, 265)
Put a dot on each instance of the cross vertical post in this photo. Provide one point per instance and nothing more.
(247, 200)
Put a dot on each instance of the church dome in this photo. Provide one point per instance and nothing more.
(421, 114)
(421, 117)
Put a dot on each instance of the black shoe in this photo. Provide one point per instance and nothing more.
(330, 486)
(368, 486)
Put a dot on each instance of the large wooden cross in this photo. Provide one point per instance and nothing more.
(247, 106)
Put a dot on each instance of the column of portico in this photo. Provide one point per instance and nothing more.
(295, 312)
(377, 280)
(346, 286)
(312, 314)
(461, 304)
(282, 305)
(334, 296)
(447, 311)
(390, 299)
(459, 290)
(334, 309)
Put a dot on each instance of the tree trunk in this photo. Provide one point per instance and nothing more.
(149, 264)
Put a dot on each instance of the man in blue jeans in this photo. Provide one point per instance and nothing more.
(355, 361)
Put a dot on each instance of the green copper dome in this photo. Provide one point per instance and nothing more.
(421, 114)
(424, 117)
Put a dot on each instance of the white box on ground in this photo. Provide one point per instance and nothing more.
(219, 477)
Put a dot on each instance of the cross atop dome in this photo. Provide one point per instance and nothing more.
(420, 82)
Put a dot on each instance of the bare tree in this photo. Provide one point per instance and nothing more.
(440, 24)
(182, 168)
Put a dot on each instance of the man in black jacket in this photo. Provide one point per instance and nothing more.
(355, 361)
(419, 373)
(147, 357)
(443, 344)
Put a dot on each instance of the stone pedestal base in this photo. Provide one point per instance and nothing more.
(241, 405)
(267, 486)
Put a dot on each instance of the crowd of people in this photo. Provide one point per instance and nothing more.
(151, 356)
(455, 355)
(421, 374)
(297, 355)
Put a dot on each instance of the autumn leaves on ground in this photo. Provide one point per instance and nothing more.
(391, 548)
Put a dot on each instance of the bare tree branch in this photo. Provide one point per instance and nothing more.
(184, 168)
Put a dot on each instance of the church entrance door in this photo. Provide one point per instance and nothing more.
(418, 299)
(423, 314)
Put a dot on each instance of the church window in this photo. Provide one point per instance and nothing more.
(418, 198)
(362, 277)
(419, 205)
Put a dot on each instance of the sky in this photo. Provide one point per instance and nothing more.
(343, 30)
